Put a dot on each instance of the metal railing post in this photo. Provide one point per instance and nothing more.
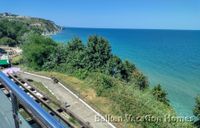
(15, 108)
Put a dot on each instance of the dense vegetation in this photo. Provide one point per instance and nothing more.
(14, 28)
(75, 58)
(11, 32)
(160, 94)
(107, 74)
(93, 62)
(196, 110)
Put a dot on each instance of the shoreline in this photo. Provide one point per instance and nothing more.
(53, 32)
(171, 82)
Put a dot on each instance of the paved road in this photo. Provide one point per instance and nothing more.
(77, 106)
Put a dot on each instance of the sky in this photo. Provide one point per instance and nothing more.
(140, 14)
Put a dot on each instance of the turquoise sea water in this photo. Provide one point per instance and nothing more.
(168, 57)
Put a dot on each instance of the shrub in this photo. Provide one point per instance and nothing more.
(103, 85)
(140, 80)
(196, 110)
(80, 73)
(160, 94)
(36, 50)
(7, 41)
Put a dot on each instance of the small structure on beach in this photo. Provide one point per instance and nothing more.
(4, 59)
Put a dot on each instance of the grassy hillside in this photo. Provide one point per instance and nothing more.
(123, 100)
(14, 28)
(112, 86)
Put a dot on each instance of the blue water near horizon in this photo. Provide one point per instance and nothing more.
(167, 57)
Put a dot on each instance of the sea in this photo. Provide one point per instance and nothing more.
(167, 57)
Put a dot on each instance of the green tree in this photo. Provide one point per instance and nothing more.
(160, 94)
(129, 66)
(36, 50)
(12, 30)
(114, 67)
(75, 45)
(118, 69)
(127, 72)
(196, 110)
(76, 54)
(140, 80)
(7, 41)
(98, 52)
(56, 58)
(103, 85)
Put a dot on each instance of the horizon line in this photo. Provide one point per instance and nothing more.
(130, 28)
